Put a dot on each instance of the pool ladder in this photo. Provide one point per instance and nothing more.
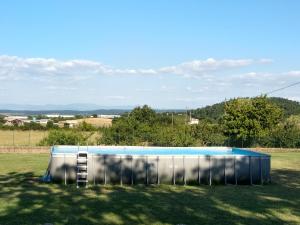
(82, 169)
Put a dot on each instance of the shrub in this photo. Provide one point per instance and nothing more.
(64, 137)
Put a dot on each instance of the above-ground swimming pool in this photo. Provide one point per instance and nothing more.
(155, 165)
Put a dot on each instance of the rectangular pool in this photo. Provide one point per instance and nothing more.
(155, 165)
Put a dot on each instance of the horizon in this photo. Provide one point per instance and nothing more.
(85, 107)
(167, 55)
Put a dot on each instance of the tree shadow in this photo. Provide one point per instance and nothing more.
(25, 200)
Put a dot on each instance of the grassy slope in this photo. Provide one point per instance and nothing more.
(24, 200)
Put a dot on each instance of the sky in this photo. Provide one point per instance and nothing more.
(167, 54)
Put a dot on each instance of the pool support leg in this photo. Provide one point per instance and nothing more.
(225, 178)
(104, 170)
(157, 168)
(94, 178)
(184, 174)
(250, 169)
(132, 170)
(210, 171)
(174, 182)
(121, 171)
(261, 174)
(199, 174)
(147, 165)
(235, 172)
(65, 170)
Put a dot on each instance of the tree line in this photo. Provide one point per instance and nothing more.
(244, 122)
(240, 122)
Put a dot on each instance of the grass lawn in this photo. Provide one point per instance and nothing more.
(24, 200)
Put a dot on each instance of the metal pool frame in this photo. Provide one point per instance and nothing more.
(167, 169)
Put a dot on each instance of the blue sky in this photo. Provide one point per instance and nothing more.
(168, 54)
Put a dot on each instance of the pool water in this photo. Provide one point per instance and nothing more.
(138, 150)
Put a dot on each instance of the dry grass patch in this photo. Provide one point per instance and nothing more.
(21, 138)
(98, 122)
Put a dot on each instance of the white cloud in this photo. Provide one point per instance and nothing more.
(191, 99)
(60, 88)
(144, 89)
(115, 97)
(210, 83)
(201, 67)
(295, 73)
(265, 61)
(200, 89)
(165, 88)
(18, 67)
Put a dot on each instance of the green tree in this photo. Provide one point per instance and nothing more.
(143, 126)
(84, 126)
(207, 133)
(284, 135)
(2, 121)
(50, 125)
(247, 120)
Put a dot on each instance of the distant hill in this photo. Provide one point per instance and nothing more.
(63, 112)
(214, 112)
(67, 107)
(71, 109)
(78, 112)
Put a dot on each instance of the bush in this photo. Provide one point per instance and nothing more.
(64, 137)
(84, 126)
(285, 135)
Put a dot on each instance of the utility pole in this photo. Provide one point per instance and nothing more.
(186, 116)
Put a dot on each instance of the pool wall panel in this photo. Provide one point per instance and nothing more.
(204, 169)
(191, 169)
(242, 169)
(151, 170)
(229, 171)
(57, 168)
(70, 165)
(139, 169)
(113, 169)
(217, 169)
(127, 172)
(165, 169)
(99, 169)
(255, 170)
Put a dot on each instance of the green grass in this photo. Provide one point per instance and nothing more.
(25, 200)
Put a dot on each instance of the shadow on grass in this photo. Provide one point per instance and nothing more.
(25, 200)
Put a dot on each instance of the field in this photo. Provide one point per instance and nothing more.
(98, 122)
(25, 200)
(33, 138)
(21, 138)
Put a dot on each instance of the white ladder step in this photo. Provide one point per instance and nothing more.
(82, 181)
(82, 173)
(81, 166)
(82, 160)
